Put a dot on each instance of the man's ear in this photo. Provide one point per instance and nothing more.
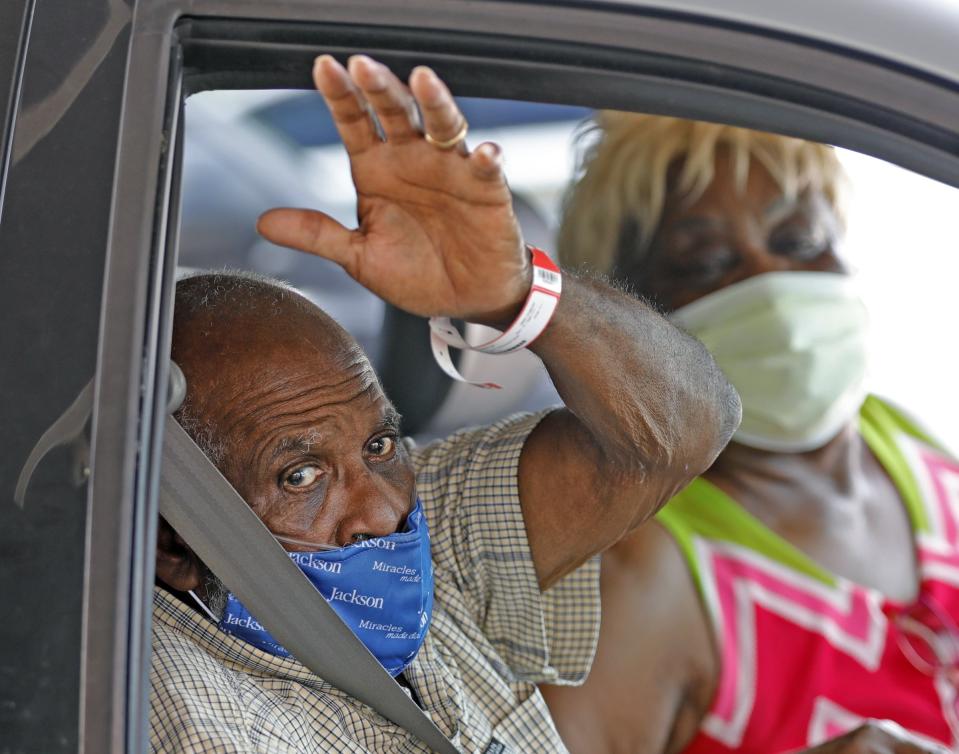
(178, 567)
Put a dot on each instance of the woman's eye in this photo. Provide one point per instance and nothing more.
(381, 447)
(794, 245)
(801, 243)
(706, 265)
(303, 477)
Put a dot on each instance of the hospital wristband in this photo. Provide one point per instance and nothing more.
(529, 324)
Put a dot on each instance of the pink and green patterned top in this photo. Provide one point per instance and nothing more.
(806, 655)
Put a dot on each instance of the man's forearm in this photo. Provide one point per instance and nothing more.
(650, 396)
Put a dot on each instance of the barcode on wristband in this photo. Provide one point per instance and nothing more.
(549, 276)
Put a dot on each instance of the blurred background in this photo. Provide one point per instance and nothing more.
(247, 151)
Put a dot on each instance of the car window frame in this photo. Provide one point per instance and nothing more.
(623, 57)
(15, 20)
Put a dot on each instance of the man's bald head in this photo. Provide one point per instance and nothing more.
(209, 304)
(230, 328)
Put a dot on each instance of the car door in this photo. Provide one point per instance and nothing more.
(88, 243)
(61, 86)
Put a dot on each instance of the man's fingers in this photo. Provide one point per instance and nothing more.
(311, 231)
(395, 108)
(369, 86)
(442, 119)
(486, 162)
(349, 110)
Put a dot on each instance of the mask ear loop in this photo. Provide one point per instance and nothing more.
(203, 606)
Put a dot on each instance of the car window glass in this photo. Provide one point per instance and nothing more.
(249, 150)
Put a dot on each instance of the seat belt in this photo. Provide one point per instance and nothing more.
(204, 509)
(229, 537)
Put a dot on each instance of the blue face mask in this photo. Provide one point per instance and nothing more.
(382, 589)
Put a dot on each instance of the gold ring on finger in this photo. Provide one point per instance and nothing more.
(450, 143)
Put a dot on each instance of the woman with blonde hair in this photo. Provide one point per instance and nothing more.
(807, 584)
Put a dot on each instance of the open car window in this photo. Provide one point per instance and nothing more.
(246, 151)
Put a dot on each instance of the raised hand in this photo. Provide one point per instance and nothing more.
(436, 234)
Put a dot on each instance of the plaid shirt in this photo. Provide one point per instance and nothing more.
(494, 636)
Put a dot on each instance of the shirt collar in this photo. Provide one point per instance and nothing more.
(232, 652)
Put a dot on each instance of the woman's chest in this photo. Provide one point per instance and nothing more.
(862, 534)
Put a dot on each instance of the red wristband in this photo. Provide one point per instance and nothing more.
(529, 324)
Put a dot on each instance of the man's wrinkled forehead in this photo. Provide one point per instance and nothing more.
(349, 357)
(292, 355)
(230, 334)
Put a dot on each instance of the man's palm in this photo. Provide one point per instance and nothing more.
(436, 235)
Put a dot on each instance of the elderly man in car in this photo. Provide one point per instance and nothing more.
(290, 410)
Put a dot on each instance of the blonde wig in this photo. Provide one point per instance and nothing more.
(612, 211)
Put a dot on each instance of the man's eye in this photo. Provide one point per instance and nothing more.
(381, 447)
(303, 477)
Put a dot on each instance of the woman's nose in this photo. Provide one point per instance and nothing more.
(374, 508)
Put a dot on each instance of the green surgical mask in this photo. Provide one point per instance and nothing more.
(794, 345)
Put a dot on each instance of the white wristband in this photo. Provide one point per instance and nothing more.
(529, 324)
